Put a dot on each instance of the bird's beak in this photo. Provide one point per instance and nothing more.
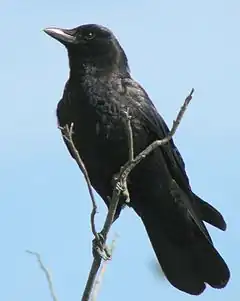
(64, 36)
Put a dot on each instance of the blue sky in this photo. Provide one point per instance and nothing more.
(172, 46)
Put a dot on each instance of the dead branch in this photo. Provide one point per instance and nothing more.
(46, 272)
(67, 133)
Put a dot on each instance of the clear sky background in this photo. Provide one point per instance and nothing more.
(172, 46)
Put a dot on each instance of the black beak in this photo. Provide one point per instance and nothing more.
(64, 36)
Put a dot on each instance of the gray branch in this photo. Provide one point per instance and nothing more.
(46, 273)
(67, 133)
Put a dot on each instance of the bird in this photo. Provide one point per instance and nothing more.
(98, 91)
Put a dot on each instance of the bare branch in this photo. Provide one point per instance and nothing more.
(46, 272)
(67, 134)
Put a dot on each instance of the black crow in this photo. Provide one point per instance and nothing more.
(98, 90)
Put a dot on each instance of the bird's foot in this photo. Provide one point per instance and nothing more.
(100, 248)
(122, 187)
(124, 191)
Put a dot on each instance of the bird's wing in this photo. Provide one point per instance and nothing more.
(142, 103)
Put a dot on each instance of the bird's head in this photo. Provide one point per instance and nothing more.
(91, 45)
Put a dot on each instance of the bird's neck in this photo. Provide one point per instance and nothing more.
(103, 67)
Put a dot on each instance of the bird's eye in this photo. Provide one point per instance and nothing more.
(89, 36)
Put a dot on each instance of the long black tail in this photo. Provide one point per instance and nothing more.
(189, 263)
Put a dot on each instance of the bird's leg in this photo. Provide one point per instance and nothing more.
(100, 248)
(121, 185)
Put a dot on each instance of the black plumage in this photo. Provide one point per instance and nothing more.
(99, 89)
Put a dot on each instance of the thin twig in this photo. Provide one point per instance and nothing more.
(46, 272)
(67, 134)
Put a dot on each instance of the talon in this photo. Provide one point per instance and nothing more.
(107, 254)
(120, 187)
(115, 179)
(100, 248)
(126, 196)
(124, 191)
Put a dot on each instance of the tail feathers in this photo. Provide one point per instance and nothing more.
(213, 268)
(187, 266)
(178, 265)
(211, 215)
